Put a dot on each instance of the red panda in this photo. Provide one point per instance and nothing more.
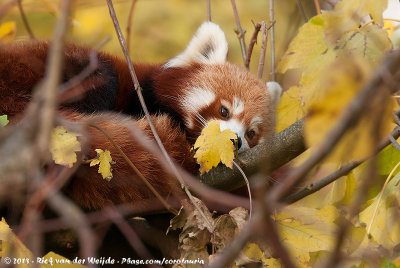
(183, 95)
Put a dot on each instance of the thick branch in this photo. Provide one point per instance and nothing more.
(342, 171)
(282, 148)
(377, 86)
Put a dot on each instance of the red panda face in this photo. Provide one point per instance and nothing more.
(204, 87)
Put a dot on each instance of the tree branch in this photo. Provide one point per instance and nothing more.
(282, 148)
(351, 116)
(342, 171)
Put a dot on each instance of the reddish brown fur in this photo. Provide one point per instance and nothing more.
(90, 191)
(23, 65)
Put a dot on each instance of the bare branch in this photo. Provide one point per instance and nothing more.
(129, 233)
(134, 168)
(25, 20)
(138, 89)
(317, 7)
(129, 25)
(264, 40)
(240, 33)
(272, 38)
(208, 10)
(376, 86)
(253, 41)
(301, 9)
(282, 148)
(342, 171)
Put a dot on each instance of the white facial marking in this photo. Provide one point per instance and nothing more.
(238, 128)
(256, 121)
(196, 99)
(238, 106)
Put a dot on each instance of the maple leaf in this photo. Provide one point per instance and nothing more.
(3, 120)
(214, 146)
(104, 161)
(63, 146)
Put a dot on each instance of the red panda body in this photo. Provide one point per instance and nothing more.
(183, 95)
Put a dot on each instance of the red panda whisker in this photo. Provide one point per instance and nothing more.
(201, 119)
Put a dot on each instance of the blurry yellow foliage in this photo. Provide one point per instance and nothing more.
(7, 31)
(347, 15)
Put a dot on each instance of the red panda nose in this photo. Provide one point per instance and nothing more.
(239, 141)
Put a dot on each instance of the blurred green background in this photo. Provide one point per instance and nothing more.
(161, 28)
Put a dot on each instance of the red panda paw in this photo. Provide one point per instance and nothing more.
(91, 191)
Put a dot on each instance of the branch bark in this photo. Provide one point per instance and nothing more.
(378, 85)
(282, 148)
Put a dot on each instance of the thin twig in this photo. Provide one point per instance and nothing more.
(240, 33)
(76, 219)
(272, 38)
(208, 10)
(248, 187)
(317, 7)
(48, 88)
(264, 38)
(143, 104)
(207, 193)
(342, 171)
(129, 25)
(361, 193)
(380, 197)
(129, 233)
(134, 168)
(25, 20)
(349, 118)
(276, 151)
(253, 41)
(67, 90)
(301, 9)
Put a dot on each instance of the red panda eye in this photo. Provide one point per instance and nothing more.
(250, 134)
(224, 112)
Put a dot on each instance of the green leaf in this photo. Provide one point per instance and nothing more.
(388, 158)
(3, 120)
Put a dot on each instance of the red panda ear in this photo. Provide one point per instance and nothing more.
(275, 91)
(208, 45)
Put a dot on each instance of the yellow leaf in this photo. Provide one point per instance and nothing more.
(214, 146)
(388, 27)
(7, 31)
(253, 251)
(344, 80)
(304, 230)
(104, 161)
(290, 109)
(385, 228)
(348, 13)
(63, 146)
(11, 245)
(308, 44)
(272, 263)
